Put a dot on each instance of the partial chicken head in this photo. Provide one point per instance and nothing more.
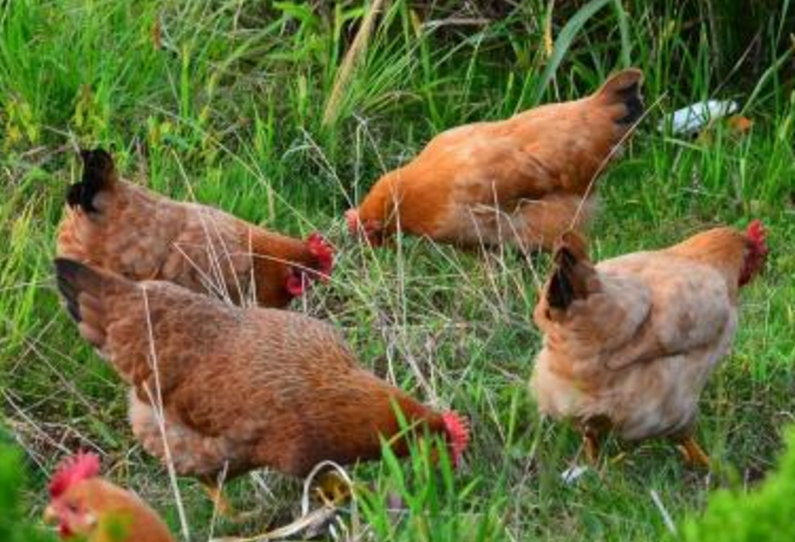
(71, 515)
(756, 251)
(323, 253)
(371, 230)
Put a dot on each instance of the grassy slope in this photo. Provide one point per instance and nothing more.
(227, 111)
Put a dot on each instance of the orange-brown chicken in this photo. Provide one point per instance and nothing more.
(240, 388)
(630, 342)
(125, 228)
(524, 180)
(87, 507)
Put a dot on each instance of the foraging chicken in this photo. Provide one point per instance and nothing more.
(525, 180)
(87, 507)
(125, 228)
(630, 342)
(240, 388)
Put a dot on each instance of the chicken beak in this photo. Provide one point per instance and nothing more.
(352, 218)
(50, 517)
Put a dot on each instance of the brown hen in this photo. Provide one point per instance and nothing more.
(524, 180)
(629, 343)
(240, 388)
(125, 228)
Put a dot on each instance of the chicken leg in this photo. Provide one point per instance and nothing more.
(332, 489)
(693, 453)
(591, 444)
(216, 495)
(225, 509)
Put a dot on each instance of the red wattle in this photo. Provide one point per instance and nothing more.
(295, 284)
(457, 433)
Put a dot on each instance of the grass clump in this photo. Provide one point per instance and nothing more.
(761, 514)
(15, 526)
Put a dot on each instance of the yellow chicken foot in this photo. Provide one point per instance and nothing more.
(223, 506)
(591, 445)
(693, 453)
(332, 489)
(216, 495)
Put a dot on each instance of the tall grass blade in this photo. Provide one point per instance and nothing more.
(564, 41)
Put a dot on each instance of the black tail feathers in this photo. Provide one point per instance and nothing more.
(569, 280)
(99, 173)
(624, 87)
(560, 293)
(633, 101)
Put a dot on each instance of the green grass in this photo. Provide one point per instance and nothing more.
(223, 101)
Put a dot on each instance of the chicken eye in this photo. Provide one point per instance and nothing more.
(72, 507)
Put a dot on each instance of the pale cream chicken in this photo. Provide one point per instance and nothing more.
(630, 342)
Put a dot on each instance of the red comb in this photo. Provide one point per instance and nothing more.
(757, 233)
(352, 216)
(457, 433)
(323, 251)
(757, 254)
(73, 470)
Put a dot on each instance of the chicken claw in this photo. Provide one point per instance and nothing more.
(216, 495)
(693, 453)
(224, 507)
(332, 489)
(591, 444)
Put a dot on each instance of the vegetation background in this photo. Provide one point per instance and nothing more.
(284, 113)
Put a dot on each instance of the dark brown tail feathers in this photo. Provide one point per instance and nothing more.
(572, 271)
(624, 88)
(87, 292)
(99, 173)
(73, 278)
